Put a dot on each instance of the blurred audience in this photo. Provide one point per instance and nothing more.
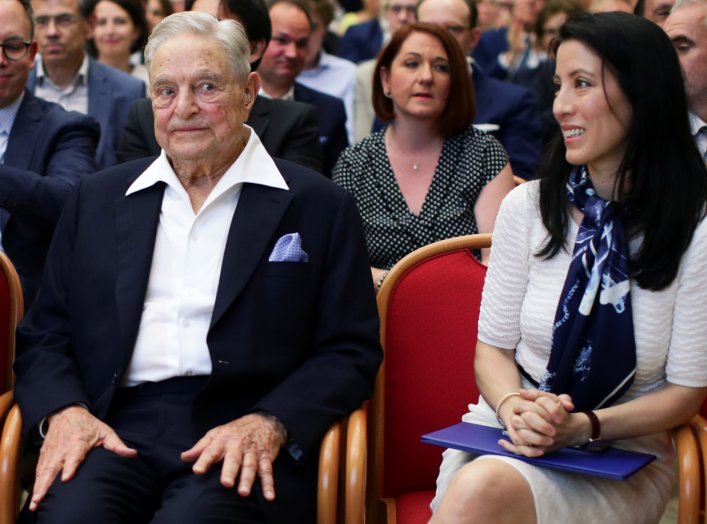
(507, 110)
(654, 10)
(155, 11)
(44, 151)
(323, 71)
(119, 30)
(64, 73)
(494, 13)
(687, 28)
(363, 41)
(283, 60)
(429, 174)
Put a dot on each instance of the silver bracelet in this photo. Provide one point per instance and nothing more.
(500, 403)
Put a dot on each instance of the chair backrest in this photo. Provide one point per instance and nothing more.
(11, 311)
(429, 306)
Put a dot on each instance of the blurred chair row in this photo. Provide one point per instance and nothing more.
(373, 467)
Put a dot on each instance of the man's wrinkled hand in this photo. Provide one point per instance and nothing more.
(248, 445)
(73, 432)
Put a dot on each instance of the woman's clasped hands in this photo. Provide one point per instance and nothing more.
(539, 422)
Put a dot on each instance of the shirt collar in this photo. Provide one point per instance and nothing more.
(9, 113)
(253, 166)
(289, 95)
(696, 123)
(81, 78)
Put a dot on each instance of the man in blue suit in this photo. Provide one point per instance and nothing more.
(507, 110)
(67, 75)
(363, 41)
(283, 60)
(44, 150)
(204, 317)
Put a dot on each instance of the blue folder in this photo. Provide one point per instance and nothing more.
(613, 463)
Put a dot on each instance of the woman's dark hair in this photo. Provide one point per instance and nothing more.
(136, 12)
(461, 103)
(661, 183)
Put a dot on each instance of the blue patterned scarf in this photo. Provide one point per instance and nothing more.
(593, 356)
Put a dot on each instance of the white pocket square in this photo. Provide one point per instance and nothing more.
(288, 248)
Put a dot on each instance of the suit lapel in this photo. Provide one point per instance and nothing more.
(24, 131)
(260, 210)
(136, 218)
(259, 117)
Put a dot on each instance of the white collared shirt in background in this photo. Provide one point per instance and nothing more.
(186, 266)
(696, 124)
(71, 98)
(289, 95)
(336, 77)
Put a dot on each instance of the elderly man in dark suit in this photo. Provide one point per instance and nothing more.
(44, 150)
(204, 318)
(288, 130)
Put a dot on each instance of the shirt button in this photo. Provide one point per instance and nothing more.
(189, 373)
(194, 238)
(185, 323)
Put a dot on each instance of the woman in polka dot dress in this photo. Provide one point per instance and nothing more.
(429, 175)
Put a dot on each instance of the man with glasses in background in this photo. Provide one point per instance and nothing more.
(65, 74)
(43, 151)
(363, 41)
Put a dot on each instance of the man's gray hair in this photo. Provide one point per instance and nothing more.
(228, 33)
(685, 3)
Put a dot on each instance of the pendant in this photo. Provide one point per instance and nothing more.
(415, 167)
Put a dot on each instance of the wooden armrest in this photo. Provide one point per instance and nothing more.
(356, 457)
(9, 464)
(328, 485)
(699, 426)
(689, 465)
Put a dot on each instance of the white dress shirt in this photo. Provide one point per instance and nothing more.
(696, 125)
(72, 98)
(186, 266)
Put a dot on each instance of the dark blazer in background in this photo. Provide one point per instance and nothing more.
(361, 41)
(332, 123)
(48, 150)
(295, 339)
(110, 93)
(514, 109)
(288, 130)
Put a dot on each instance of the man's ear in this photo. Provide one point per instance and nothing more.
(474, 37)
(257, 49)
(252, 88)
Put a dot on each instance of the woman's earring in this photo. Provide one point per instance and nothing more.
(388, 93)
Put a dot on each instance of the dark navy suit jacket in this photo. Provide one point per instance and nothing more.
(361, 41)
(514, 109)
(110, 93)
(48, 150)
(296, 339)
(288, 130)
(332, 123)
(492, 43)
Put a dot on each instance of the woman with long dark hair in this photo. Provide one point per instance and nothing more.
(591, 328)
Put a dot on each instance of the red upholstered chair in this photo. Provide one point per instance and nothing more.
(428, 306)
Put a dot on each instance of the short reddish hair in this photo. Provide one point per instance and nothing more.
(461, 103)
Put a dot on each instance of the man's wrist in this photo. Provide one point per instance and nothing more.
(43, 425)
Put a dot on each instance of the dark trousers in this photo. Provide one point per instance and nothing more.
(156, 486)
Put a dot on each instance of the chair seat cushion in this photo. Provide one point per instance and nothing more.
(414, 507)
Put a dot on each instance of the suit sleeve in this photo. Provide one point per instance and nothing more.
(39, 197)
(338, 139)
(520, 136)
(340, 372)
(302, 145)
(47, 376)
(137, 139)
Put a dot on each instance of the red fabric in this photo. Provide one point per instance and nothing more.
(429, 354)
(414, 507)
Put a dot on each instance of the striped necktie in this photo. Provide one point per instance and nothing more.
(3, 144)
(702, 142)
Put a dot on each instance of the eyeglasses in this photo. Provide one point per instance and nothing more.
(15, 49)
(62, 20)
(397, 9)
